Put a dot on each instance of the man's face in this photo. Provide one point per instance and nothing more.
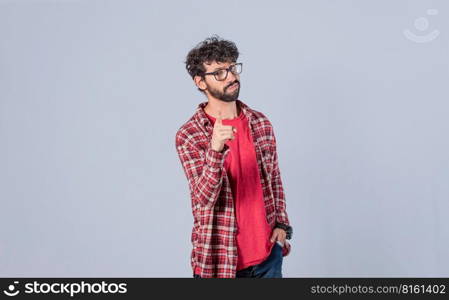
(226, 90)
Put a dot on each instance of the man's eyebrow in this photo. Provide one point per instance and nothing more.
(222, 68)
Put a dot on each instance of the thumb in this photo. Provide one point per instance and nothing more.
(273, 237)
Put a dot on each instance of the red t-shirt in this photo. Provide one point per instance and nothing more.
(254, 232)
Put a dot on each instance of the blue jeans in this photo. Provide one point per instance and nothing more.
(269, 268)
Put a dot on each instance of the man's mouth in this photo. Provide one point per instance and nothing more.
(235, 85)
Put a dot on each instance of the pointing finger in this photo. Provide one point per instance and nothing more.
(219, 117)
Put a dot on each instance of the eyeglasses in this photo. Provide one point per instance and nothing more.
(222, 74)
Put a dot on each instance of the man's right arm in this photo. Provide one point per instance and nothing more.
(203, 170)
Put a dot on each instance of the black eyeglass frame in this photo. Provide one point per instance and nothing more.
(227, 71)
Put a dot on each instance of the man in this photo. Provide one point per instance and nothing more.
(228, 153)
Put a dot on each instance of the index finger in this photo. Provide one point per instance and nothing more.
(219, 117)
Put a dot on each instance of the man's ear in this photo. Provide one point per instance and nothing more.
(199, 81)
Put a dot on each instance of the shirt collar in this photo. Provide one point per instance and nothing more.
(204, 120)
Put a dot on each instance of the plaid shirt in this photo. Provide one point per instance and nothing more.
(213, 234)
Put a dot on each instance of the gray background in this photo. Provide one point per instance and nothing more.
(93, 92)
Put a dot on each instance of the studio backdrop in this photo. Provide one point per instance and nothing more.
(93, 92)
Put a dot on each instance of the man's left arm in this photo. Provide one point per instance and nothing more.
(282, 220)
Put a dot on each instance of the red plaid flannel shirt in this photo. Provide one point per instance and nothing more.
(213, 234)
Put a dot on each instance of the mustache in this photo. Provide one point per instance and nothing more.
(232, 84)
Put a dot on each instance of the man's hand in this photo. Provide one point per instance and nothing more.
(221, 133)
(279, 234)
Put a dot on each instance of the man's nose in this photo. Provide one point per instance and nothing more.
(231, 78)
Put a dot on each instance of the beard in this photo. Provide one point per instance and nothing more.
(226, 96)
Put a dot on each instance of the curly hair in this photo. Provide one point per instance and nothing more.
(211, 49)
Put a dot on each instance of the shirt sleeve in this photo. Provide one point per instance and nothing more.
(203, 169)
(278, 190)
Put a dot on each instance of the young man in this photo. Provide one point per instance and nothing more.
(228, 153)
